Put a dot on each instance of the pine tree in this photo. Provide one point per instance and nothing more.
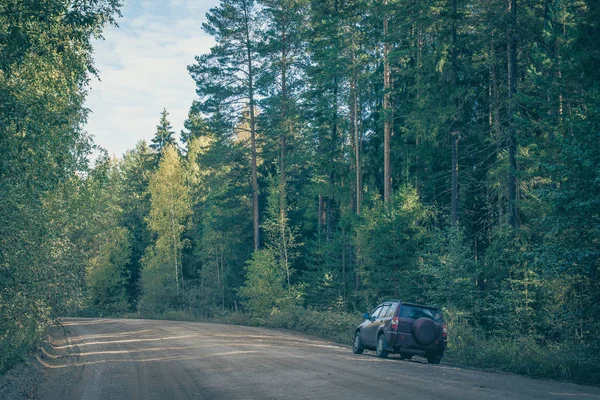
(225, 79)
(195, 125)
(164, 133)
(136, 170)
(325, 79)
(282, 54)
(220, 230)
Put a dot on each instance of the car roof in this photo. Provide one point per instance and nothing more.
(409, 304)
(421, 305)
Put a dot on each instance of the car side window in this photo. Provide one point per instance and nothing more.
(375, 314)
(391, 310)
(384, 311)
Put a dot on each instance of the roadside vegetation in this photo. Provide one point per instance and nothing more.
(338, 153)
(47, 232)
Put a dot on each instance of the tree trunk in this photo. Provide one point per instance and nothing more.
(222, 281)
(255, 215)
(358, 163)
(320, 217)
(512, 138)
(218, 269)
(387, 128)
(175, 247)
(334, 140)
(454, 135)
(357, 139)
(419, 168)
(282, 147)
(495, 95)
(249, 60)
(282, 160)
(344, 264)
(329, 222)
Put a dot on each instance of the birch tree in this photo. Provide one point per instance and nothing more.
(162, 277)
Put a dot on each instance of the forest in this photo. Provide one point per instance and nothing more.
(338, 153)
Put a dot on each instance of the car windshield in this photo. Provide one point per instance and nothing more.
(416, 312)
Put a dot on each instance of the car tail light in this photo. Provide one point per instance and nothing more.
(394, 324)
(444, 331)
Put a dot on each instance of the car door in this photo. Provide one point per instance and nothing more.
(383, 317)
(369, 329)
(381, 320)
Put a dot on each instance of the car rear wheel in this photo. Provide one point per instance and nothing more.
(380, 351)
(357, 347)
(433, 359)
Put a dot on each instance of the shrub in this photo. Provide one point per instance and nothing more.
(524, 355)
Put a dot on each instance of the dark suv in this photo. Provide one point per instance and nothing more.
(403, 328)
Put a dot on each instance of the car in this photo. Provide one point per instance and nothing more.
(403, 328)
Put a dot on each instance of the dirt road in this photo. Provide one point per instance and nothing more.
(142, 359)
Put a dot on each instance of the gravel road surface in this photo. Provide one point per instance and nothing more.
(144, 359)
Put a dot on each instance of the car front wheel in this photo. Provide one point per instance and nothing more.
(380, 350)
(357, 347)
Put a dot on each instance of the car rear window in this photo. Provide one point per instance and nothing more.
(416, 312)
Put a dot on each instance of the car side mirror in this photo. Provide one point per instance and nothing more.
(366, 315)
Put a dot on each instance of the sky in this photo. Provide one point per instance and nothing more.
(143, 69)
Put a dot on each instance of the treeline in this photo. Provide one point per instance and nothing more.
(343, 152)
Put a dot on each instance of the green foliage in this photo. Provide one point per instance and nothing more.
(136, 170)
(218, 74)
(159, 287)
(45, 65)
(522, 355)
(162, 279)
(389, 245)
(330, 325)
(447, 271)
(219, 232)
(105, 276)
(265, 287)
(280, 238)
(164, 134)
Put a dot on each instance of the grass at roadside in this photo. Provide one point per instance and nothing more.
(16, 345)
(578, 363)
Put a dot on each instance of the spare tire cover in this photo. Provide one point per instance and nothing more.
(425, 331)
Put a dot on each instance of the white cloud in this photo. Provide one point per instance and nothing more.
(143, 68)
